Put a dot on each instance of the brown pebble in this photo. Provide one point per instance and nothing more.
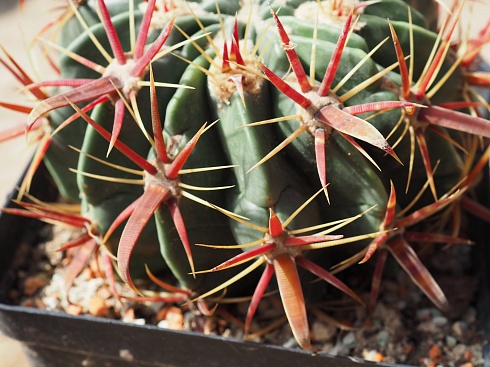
(209, 326)
(33, 302)
(32, 285)
(161, 314)
(377, 357)
(74, 310)
(39, 303)
(175, 319)
(468, 364)
(468, 355)
(87, 273)
(28, 302)
(173, 315)
(96, 268)
(409, 349)
(97, 306)
(435, 354)
(129, 315)
(65, 261)
(373, 356)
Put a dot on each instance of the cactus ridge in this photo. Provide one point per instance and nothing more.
(257, 106)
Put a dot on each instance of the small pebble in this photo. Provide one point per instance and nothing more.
(126, 355)
(458, 328)
(349, 340)
(51, 302)
(32, 285)
(74, 310)
(209, 326)
(96, 269)
(175, 318)
(440, 321)
(161, 314)
(435, 312)
(327, 348)
(97, 306)
(28, 302)
(408, 349)
(451, 341)
(435, 354)
(423, 314)
(140, 321)
(87, 273)
(291, 343)
(468, 355)
(163, 324)
(323, 332)
(34, 302)
(382, 338)
(128, 315)
(373, 356)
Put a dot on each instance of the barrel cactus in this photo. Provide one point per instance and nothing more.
(312, 133)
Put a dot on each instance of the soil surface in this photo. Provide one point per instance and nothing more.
(405, 328)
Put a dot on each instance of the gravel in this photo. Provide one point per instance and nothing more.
(404, 327)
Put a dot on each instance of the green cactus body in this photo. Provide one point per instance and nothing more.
(342, 160)
(309, 11)
(60, 158)
(449, 172)
(263, 187)
(72, 28)
(260, 189)
(301, 28)
(442, 153)
(430, 10)
(276, 185)
(395, 10)
(376, 29)
(204, 225)
(105, 200)
(102, 200)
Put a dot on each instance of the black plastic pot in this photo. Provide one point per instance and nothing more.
(56, 339)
